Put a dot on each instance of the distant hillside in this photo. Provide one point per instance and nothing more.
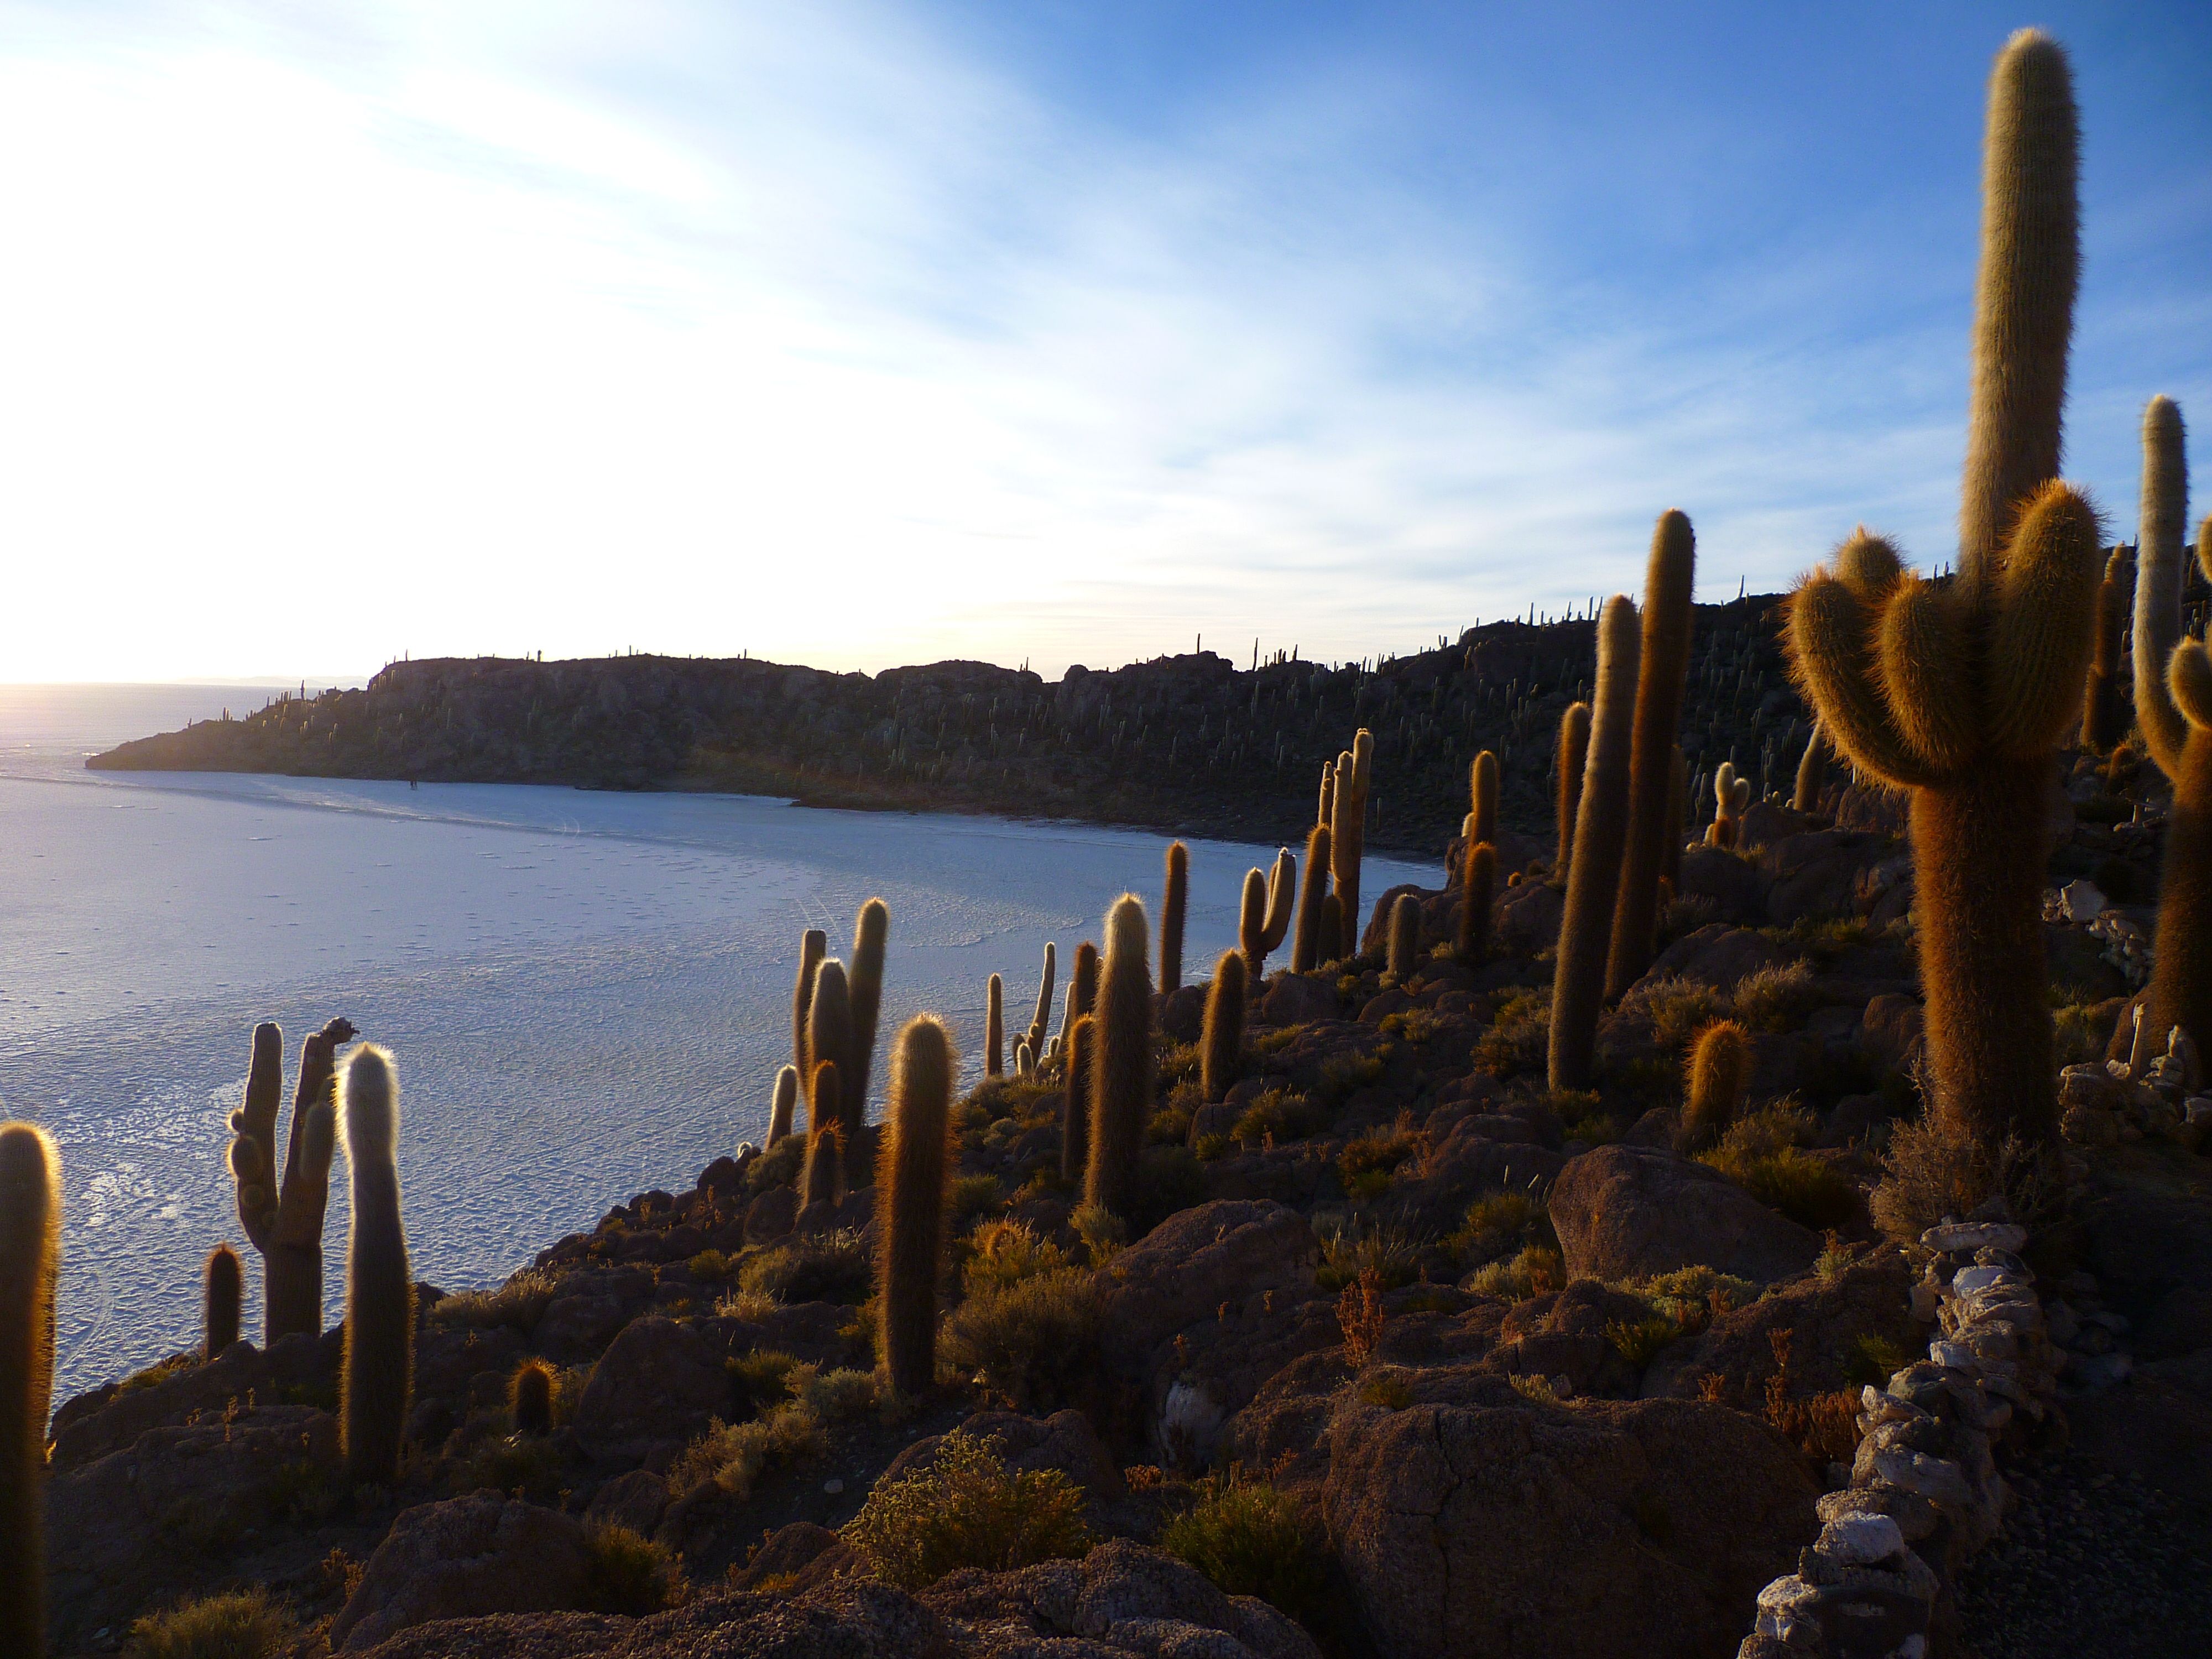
(1190, 744)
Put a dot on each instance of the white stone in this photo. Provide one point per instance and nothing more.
(1788, 1596)
(1860, 1540)
(1956, 1355)
(1968, 1281)
(1975, 1236)
(2081, 901)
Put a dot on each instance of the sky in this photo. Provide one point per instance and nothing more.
(863, 333)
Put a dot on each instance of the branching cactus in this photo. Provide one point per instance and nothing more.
(1306, 941)
(870, 933)
(377, 1381)
(222, 1294)
(1175, 899)
(1812, 773)
(1720, 1064)
(1958, 692)
(1404, 947)
(912, 1180)
(1731, 796)
(1221, 1043)
(1265, 919)
(1121, 1063)
(1348, 840)
(1478, 894)
(1661, 680)
(282, 1217)
(1594, 869)
(785, 1105)
(1574, 754)
(995, 1028)
(30, 1265)
(2174, 706)
(813, 947)
(2104, 721)
(1075, 1112)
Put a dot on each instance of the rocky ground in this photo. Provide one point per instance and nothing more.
(1497, 1371)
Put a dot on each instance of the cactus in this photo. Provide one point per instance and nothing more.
(1348, 839)
(1574, 756)
(30, 1265)
(1662, 676)
(377, 1375)
(1720, 1061)
(529, 1397)
(1265, 919)
(1221, 1044)
(1478, 893)
(2174, 710)
(1024, 1061)
(1306, 941)
(829, 1037)
(1958, 692)
(1044, 998)
(1327, 793)
(1331, 945)
(1086, 978)
(1175, 897)
(1403, 948)
(1075, 1112)
(1731, 795)
(871, 931)
(2102, 723)
(783, 1109)
(813, 946)
(1482, 796)
(1593, 867)
(1121, 1061)
(817, 1181)
(1678, 805)
(222, 1294)
(995, 1028)
(912, 1180)
(1812, 773)
(284, 1217)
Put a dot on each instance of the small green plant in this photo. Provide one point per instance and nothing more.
(967, 1197)
(628, 1574)
(1252, 1538)
(1534, 1387)
(1776, 997)
(1640, 1342)
(710, 1266)
(1378, 1151)
(1281, 1113)
(1387, 1388)
(1874, 1359)
(520, 1303)
(1495, 1224)
(1535, 1272)
(966, 1508)
(734, 1456)
(752, 1306)
(778, 1166)
(762, 1376)
(833, 1396)
(1761, 1153)
(159, 1372)
(1103, 1232)
(1394, 1255)
(833, 1267)
(238, 1624)
(1005, 1252)
(514, 1463)
(1034, 1341)
(1414, 1024)
(1677, 1008)
(1344, 1075)
(1519, 1036)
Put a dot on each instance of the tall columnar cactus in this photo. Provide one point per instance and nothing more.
(1348, 840)
(1265, 921)
(813, 947)
(1328, 809)
(1812, 773)
(1404, 948)
(818, 1179)
(870, 933)
(995, 1027)
(1678, 807)
(1661, 680)
(2174, 706)
(1305, 939)
(529, 1397)
(1593, 867)
(378, 1376)
(1958, 692)
(1720, 1063)
(1482, 796)
(1024, 1060)
(1221, 1043)
(282, 1217)
(1121, 1061)
(1333, 942)
(30, 1265)
(1044, 998)
(222, 1295)
(1731, 796)
(1175, 898)
(1478, 894)
(1574, 754)
(912, 1179)
(2102, 722)
(829, 1037)
(1075, 1111)
(785, 1105)
(1086, 978)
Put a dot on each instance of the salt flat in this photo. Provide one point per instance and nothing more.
(587, 993)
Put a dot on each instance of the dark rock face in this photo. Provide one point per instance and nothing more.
(479, 1554)
(657, 1381)
(1631, 1211)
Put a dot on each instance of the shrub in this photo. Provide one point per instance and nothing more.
(1005, 1252)
(1533, 1386)
(1179, 1062)
(1284, 1114)
(762, 1376)
(1393, 1255)
(1534, 1272)
(625, 1573)
(1687, 1288)
(964, 1508)
(1677, 1008)
(159, 1372)
(833, 1267)
(1345, 1075)
(1874, 1359)
(1416, 1025)
(1168, 1179)
(1494, 1225)
(511, 1463)
(1251, 1539)
(1809, 1192)
(751, 1306)
(833, 1396)
(1377, 1151)
(238, 1624)
(1035, 1341)
(968, 1197)
(1102, 1231)
(778, 1166)
(1776, 997)
(1519, 1036)
(734, 1456)
(710, 1266)
(519, 1302)
(1638, 1344)
(1359, 1315)
(1928, 1176)
(1388, 1389)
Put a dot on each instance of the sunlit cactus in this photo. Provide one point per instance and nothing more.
(912, 1180)
(1044, 998)
(1265, 919)
(829, 1037)
(1812, 774)
(1720, 1064)
(1403, 949)
(1731, 796)
(1478, 894)
(1221, 1042)
(785, 1105)
(282, 1212)
(1175, 898)
(1075, 1110)
(995, 1027)
(1121, 1061)
(377, 1376)
(1574, 754)
(1305, 939)
(813, 946)
(1024, 1061)
(1662, 676)
(30, 1267)
(825, 1137)
(1347, 840)
(871, 931)
(529, 1397)
(1482, 796)
(1331, 945)
(222, 1296)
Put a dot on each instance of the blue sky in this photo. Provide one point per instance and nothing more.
(869, 333)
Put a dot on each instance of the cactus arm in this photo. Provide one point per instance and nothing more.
(2160, 572)
(2189, 682)
(1282, 898)
(1829, 635)
(30, 1263)
(1869, 566)
(1925, 661)
(871, 931)
(253, 1131)
(2044, 631)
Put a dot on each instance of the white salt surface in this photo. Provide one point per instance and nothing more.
(587, 993)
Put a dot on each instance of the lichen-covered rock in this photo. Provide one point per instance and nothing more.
(1631, 1211)
(469, 1556)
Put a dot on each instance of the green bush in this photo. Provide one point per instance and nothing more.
(1281, 1113)
(1005, 1252)
(238, 1624)
(625, 1573)
(519, 1302)
(710, 1266)
(762, 1376)
(1034, 1341)
(1345, 1075)
(967, 1197)
(1519, 1037)
(513, 1463)
(1393, 1255)
(1874, 1359)
(1495, 1224)
(1638, 1344)
(734, 1455)
(1776, 997)
(1376, 1152)
(1532, 1273)
(966, 1508)
(1252, 1540)
(1761, 1154)
(778, 1166)
(833, 1267)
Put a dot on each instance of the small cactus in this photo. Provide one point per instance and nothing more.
(1574, 756)
(785, 1105)
(995, 1028)
(283, 1215)
(1121, 1063)
(871, 931)
(1812, 774)
(1720, 1063)
(1405, 941)
(1221, 1043)
(1024, 1062)
(1306, 940)
(1175, 897)
(813, 946)
(1662, 677)
(1478, 894)
(30, 1266)
(1731, 795)
(222, 1294)
(377, 1375)
(912, 1179)
(1075, 1111)
(529, 1397)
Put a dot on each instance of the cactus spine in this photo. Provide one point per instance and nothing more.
(1221, 1043)
(1305, 942)
(222, 1294)
(1478, 893)
(1720, 1062)
(1482, 796)
(529, 1397)
(813, 946)
(1812, 773)
(30, 1265)
(817, 1181)
(1594, 869)
(1662, 679)
(913, 1180)
(871, 931)
(1175, 897)
(2102, 723)
(1075, 1113)
(1044, 1000)
(785, 1105)
(284, 1217)
(1348, 840)
(2174, 710)
(1959, 693)
(995, 1028)
(1574, 756)
(1122, 1062)
(379, 1374)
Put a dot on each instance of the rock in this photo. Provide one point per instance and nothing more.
(1295, 999)
(1181, 1271)
(465, 1557)
(657, 1382)
(1631, 1212)
(1819, 874)
(1767, 821)
(792, 1550)
(773, 1215)
(1529, 917)
(2081, 901)
(587, 1308)
(1973, 1236)
(1616, 1528)
(1733, 887)
(1718, 955)
(634, 1500)
(1859, 1540)
(1182, 1012)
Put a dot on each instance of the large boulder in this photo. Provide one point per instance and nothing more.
(1296, 999)
(1733, 887)
(1717, 955)
(658, 1381)
(1820, 873)
(1528, 915)
(1630, 1212)
(1181, 1271)
(466, 1557)
(1612, 1530)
